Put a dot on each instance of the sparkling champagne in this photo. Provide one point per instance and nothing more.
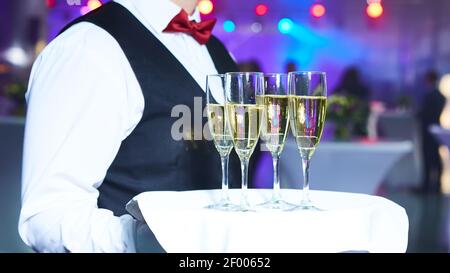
(275, 121)
(307, 115)
(245, 125)
(219, 130)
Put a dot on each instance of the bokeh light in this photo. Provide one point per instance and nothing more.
(256, 27)
(285, 25)
(261, 10)
(374, 10)
(94, 4)
(50, 3)
(84, 10)
(229, 26)
(318, 10)
(205, 7)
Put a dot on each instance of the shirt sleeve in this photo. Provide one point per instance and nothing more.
(80, 109)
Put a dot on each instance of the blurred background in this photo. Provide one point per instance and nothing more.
(387, 120)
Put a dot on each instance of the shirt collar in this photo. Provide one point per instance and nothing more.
(158, 13)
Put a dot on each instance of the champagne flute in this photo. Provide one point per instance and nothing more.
(244, 119)
(274, 129)
(220, 132)
(307, 109)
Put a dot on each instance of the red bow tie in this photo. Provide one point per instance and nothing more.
(199, 31)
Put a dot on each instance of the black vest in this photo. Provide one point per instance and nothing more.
(149, 158)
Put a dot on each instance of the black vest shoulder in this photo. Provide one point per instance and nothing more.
(150, 159)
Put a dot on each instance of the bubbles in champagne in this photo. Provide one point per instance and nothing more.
(307, 115)
(245, 125)
(275, 121)
(219, 130)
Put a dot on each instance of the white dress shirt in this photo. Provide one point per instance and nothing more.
(83, 100)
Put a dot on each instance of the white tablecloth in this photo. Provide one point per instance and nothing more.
(343, 166)
(349, 222)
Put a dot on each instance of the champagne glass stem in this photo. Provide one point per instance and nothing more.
(224, 161)
(244, 196)
(305, 197)
(276, 179)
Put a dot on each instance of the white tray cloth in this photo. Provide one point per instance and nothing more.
(349, 222)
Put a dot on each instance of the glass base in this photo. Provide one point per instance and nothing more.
(276, 205)
(224, 205)
(245, 206)
(306, 206)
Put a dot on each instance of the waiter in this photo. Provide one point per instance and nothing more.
(99, 123)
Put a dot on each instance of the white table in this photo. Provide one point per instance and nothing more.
(343, 166)
(349, 222)
(11, 143)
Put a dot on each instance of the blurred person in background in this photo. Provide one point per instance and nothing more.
(290, 66)
(431, 109)
(249, 66)
(352, 87)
